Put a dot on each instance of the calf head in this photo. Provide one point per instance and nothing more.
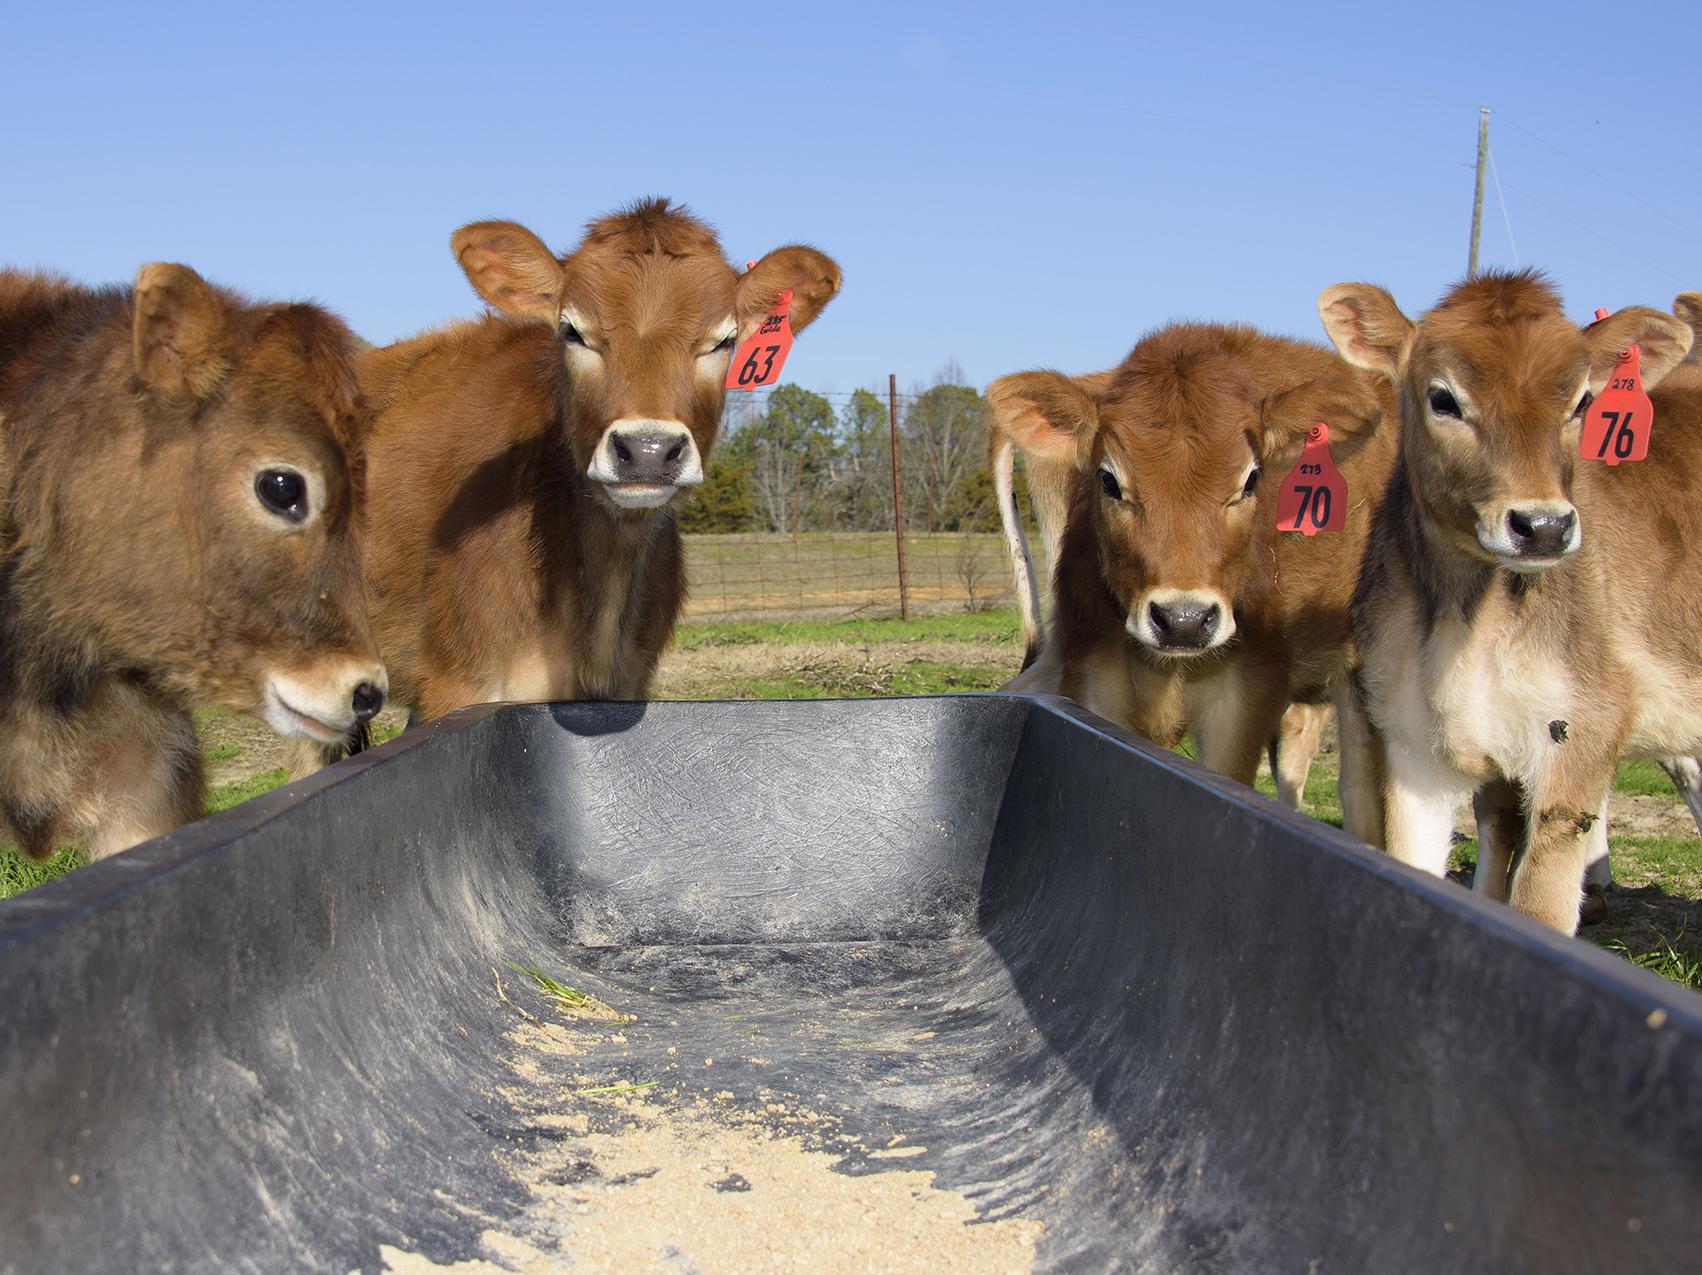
(649, 312)
(1494, 385)
(223, 543)
(1177, 441)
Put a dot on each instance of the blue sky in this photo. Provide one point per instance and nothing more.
(1006, 186)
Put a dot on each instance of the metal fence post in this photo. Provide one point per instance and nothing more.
(898, 498)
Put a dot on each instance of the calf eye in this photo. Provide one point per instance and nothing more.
(570, 334)
(1444, 403)
(1252, 482)
(284, 492)
(1108, 480)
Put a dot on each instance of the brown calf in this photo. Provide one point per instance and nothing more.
(1050, 481)
(527, 466)
(1526, 618)
(180, 482)
(1177, 601)
(1685, 772)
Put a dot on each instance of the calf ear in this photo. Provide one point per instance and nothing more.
(1688, 306)
(510, 268)
(1048, 415)
(1352, 411)
(812, 276)
(177, 332)
(1662, 339)
(1367, 327)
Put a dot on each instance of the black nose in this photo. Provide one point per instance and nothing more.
(1543, 534)
(1184, 623)
(368, 699)
(648, 456)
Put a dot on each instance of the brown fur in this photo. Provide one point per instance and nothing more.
(139, 572)
(1181, 420)
(499, 568)
(1530, 683)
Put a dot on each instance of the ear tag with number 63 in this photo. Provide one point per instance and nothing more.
(1617, 424)
(757, 362)
(1314, 495)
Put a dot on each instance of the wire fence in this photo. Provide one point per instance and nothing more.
(838, 574)
(795, 518)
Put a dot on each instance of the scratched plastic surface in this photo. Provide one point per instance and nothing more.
(1178, 1026)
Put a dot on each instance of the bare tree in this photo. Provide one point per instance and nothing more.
(945, 437)
(973, 572)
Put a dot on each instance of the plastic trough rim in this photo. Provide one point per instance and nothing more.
(64, 899)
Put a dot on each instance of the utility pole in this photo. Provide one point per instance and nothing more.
(1477, 200)
(897, 498)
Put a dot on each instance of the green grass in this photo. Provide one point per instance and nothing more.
(1000, 625)
(1321, 799)
(572, 997)
(223, 752)
(18, 873)
(227, 795)
(1643, 778)
(1670, 958)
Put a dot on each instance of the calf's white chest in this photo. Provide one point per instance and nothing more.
(1491, 691)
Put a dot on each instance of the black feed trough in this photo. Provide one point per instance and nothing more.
(879, 968)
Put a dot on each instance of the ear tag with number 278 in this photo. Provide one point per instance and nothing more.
(1617, 424)
(1314, 495)
(758, 361)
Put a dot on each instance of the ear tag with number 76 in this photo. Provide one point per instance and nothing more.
(1314, 495)
(1617, 424)
(758, 361)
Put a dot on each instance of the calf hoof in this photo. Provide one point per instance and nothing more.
(1594, 907)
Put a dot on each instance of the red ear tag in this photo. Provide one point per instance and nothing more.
(1314, 495)
(758, 361)
(1617, 425)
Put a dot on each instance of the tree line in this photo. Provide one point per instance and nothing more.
(800, 465)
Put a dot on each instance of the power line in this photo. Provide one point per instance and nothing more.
(1595, 172)
(1493, 172)
(1593, 232)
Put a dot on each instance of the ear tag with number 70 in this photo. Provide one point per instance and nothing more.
(1314, 495)
(1617, 424)
(758, 361)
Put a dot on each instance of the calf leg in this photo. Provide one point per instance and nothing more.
(1500, 809)
(1686, 776)
(1598, 872)
(143, 763)
(1237, 718)
(1292, 751)
(1421, 792)
(1564, 808)
(1362, 779)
